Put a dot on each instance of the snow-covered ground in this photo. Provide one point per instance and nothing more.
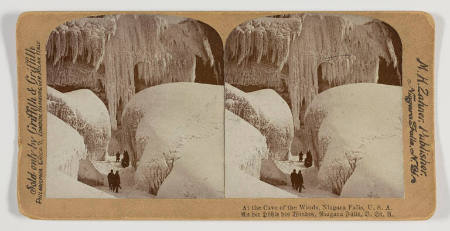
(199, 173)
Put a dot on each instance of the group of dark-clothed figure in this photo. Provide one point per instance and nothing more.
(114, 181)
(308, 159)
(125, 159)
(297, 180)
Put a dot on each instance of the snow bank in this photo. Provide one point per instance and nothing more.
(65, 148)
(89, 175)
(245, 147)
(159, 121)
(62, 186)
(346, 123)
(271, 174)
(85, 112)
(199, 173)
(266, 111)
(379, 173)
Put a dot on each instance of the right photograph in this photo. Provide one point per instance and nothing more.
(313, 108)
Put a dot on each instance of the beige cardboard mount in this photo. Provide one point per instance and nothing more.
(416, 30)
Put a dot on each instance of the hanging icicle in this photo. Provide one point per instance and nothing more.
(108, 54)
(288, 51)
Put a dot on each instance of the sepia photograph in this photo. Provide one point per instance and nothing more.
(135, 108)
(313, 107)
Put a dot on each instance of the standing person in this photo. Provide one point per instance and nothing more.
(111, 180)
(294, 179)
(300, 181)
(308, 160)
(125, 159)
(117, 157)
(117, 182)
(300, 156)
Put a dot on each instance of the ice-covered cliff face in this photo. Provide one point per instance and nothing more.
(304, 54)
(118, 55)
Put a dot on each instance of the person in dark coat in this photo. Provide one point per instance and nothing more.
(117, 157)
(125, 160)
(294, 179)
(308, 160)
(117, 182)
(299, 181)
(300, 157)
(111, 180)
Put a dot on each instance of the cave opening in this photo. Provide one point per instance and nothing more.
(139, 82)
(323, 83)
(387, 73)
(204, 73)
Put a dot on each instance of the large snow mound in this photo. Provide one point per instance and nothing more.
(65, 148)
(159, 121)
(266, 111)
(199, 173)
(343, 122)
(85, 112)
(245, 147)
(383, 179)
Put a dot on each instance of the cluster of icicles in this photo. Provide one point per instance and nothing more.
(277, 52)
(110, 51)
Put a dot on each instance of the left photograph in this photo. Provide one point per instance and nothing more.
(135, 108)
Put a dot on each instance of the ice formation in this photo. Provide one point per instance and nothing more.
(65, 148)
(245, 146)
(117, 55)
(346, 124)
(160, 121)
(86, 113)
(266, 111)
(303, 54)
